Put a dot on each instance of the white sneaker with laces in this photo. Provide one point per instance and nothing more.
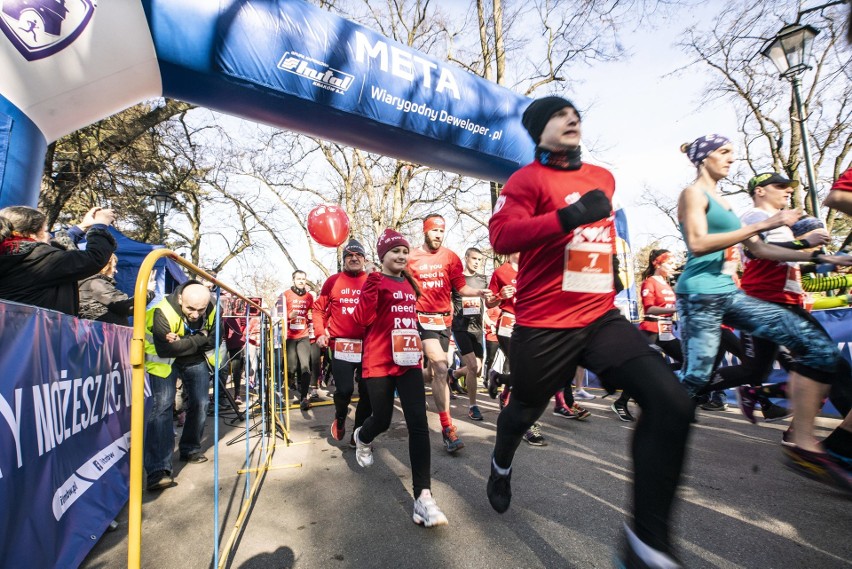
(363, 452)
(583, 395)
(426, 511)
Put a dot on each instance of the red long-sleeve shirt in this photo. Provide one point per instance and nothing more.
(387, 311)
(525, 220)
(437, 273)
(335, 308)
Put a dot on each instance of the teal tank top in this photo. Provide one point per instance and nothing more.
(703, 274)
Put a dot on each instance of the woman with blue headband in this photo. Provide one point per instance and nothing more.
(707, 297)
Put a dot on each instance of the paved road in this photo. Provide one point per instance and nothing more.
(739, 507)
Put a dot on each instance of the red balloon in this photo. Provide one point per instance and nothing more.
(328, 225)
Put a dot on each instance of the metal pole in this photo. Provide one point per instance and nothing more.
(162, 227)
(806, 146)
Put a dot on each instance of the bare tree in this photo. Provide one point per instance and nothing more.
(768, 118)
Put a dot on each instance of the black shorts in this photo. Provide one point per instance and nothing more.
(468, 342)
(544, 357)
(443, 336)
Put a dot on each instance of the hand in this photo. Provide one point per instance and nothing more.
(104, 216)
(152, 282)
(88, 219)
(507, 292)
(486, 294)
(817, 237)
(784, 217)
(322, 341)
(172, 337)
(592, 206)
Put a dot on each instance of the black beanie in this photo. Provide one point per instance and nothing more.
(539, 112)
(354, 246)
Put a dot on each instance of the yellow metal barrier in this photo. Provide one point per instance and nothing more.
(137, 418)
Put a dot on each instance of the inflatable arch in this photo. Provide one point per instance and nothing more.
(67, 63)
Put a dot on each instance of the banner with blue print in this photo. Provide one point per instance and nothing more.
(65, 397)
(308, 70)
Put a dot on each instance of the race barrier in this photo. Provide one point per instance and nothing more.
(272, 393)
(67, 420)
(65, 403)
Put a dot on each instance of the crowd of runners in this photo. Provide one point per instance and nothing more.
(528, 333)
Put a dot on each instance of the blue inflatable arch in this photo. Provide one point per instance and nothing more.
(65, 64)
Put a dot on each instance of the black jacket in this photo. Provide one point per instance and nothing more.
(191, 347)
(36, 273)
(100, 300)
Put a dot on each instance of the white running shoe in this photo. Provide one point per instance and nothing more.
(363, 453)
(426, 511)
(583, 395)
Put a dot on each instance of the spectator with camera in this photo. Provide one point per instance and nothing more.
(35, 271)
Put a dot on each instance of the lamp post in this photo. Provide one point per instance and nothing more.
(790, 51)
(162, 205)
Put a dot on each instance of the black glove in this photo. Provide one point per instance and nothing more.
(593, 206)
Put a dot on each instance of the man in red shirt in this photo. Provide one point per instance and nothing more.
(297, 306)
(335, 328)
(557, 212)
(840, 196)
(438, 271)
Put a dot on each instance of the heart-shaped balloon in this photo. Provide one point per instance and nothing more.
(328, 225)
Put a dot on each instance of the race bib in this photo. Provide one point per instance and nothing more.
(506, 324)
(471, 306)
(298, 323)
(347, 350)
(731, 262)
(588, 268)
(793, 282)
(666, 327)
(407, 350)
(432, 321)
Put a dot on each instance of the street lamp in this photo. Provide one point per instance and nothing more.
(163, 203)
(790, 51)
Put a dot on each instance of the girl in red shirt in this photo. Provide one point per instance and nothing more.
(392, 361)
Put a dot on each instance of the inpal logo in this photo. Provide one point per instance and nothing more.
(40, 28)
(321, 74)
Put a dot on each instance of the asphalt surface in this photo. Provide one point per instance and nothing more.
(738, 507)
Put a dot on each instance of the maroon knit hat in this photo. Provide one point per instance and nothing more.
(388, 240)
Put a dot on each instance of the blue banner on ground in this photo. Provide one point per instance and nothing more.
(65, 398)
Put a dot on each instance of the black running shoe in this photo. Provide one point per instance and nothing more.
(622, 412)
(499, 489)
(493, 384)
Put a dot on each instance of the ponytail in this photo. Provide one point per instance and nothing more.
(412, 282)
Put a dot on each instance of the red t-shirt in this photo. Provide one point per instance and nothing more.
(844, 182)
(387, 311)
(334, 309)
(437, 273)
(296, 309)
(505, 274)
(773, 281)
(655, 292)
(525, 220)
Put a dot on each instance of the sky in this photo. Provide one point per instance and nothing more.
(636, 114)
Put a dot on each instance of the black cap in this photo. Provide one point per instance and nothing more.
(354, 246)
(539, 112)
(768, 178)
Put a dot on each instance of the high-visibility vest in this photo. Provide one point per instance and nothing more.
(159, 366)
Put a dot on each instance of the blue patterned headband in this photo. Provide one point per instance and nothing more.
(700, 148)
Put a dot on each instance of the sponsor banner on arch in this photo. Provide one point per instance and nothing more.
(64, 434)
(297, 49)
